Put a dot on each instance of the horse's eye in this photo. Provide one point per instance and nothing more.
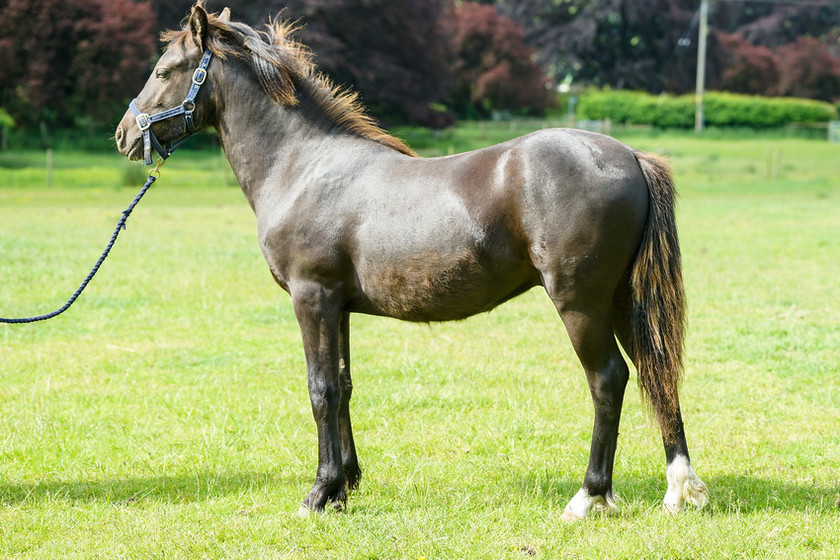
(162, 73)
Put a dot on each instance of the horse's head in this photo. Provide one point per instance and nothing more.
(184, 94)
(175, 101)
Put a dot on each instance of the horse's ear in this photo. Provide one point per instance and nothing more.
(225, 15)
(199, 26)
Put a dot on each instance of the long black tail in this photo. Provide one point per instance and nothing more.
(659, 305)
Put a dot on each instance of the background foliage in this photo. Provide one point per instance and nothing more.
(493, 68)
(77, 63)
(65, 63)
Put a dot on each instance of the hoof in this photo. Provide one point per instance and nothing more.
(570, 517)
(583, 504)
(696, 493)
(304, 511)
(684, 486)
(319, 499)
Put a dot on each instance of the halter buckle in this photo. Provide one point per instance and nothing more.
(199, 76)
(144, 121)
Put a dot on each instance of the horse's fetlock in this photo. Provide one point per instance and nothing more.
(352, 474)
(597, 484)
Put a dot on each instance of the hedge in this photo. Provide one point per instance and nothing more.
(720, 109)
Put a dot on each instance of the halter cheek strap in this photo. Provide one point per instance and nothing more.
(187, 108)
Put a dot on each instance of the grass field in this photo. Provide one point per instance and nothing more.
(166, 414)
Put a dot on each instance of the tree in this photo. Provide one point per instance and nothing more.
(808, 69)
(395, 54)
(545, 24)
(493, 67)
(747, 68)
(618, 43)
(777, 25)
(635, 44)
(66, 62)
(169, 14)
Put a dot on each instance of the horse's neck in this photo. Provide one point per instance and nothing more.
(270, 147)
(254, 136)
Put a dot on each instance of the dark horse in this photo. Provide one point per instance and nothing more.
(351, 221)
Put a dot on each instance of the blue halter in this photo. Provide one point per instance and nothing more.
(145, 121)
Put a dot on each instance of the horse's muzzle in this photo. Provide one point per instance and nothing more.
(129, 141)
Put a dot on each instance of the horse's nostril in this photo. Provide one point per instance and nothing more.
(119, 134)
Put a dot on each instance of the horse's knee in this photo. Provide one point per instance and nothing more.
(324, 399)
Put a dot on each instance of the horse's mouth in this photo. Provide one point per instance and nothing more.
(135, 151)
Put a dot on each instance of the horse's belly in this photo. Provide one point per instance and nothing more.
(437, 287)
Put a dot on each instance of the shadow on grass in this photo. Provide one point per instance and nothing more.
(728, 493)
(188, 488)
(744, 494)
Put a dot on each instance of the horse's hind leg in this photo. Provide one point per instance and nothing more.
(591, 333)
(684, 486)
(349, 460)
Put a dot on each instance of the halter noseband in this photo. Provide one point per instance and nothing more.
(145, 121)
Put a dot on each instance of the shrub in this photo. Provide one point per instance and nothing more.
(749, 68)
(65, 59)
(720, 109)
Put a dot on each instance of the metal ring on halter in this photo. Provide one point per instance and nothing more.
(199, 76)
(143, 121)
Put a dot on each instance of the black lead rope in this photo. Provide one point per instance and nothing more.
(144, 122)
(153, 176)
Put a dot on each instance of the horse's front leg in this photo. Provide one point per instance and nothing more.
(318, 313)
(349, 460)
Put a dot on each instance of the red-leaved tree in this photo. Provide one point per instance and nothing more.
(493, 69)
(395, 54)
(808, 69)
(70, 62)
(747, 68)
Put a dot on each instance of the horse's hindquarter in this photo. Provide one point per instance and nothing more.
(584, 207)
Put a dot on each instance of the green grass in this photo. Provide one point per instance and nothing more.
(166, 414)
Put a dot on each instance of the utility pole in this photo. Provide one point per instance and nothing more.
(701, 65)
